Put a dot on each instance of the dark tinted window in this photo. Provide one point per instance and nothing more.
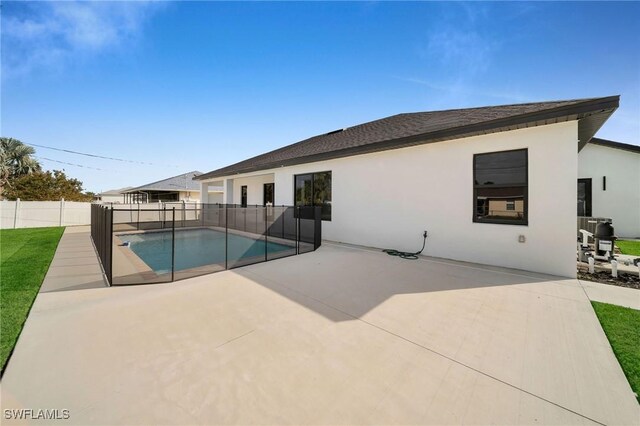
(268, 194)
(314, 189)
(243, 196)
(584, 197)
(322, 193)
(304, 190)
(501, 168)
(500, 187)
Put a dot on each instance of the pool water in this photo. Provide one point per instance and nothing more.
(196, 247)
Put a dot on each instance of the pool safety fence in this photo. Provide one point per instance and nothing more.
(145, 246)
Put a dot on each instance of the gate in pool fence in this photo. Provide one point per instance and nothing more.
(144, 246)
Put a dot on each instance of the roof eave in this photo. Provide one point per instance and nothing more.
(615, 145)
(142, 189)
(589, 125)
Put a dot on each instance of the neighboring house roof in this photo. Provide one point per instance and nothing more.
(116, 191)
(417, 128)
(181, 182)
(616, 145)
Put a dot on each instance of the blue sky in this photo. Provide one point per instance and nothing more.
(199, 85)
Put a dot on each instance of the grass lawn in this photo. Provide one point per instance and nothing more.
(621, 326)
(25, 255)
(629, 247)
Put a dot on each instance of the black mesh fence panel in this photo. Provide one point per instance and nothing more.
(143, 245)
(307, 228)
(246, 236)
(152, 243)
(280, 232)
(102, 234)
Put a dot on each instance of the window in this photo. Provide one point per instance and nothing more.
(314, 189)
(500, 187)
(243, 196)
(584, 197)
(267, 193)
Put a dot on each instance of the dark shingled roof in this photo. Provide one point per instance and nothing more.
(181, 182)
(411, 129)
(616, 145)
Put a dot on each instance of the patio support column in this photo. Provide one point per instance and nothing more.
(204, 192)
(227, 191)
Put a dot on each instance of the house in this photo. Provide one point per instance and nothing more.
(609, 184)
(113, 195)
(506, 206)
(492, 185)
(176, 188)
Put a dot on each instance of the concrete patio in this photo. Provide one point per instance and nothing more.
(344, 335)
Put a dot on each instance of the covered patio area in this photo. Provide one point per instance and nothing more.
(254, 189)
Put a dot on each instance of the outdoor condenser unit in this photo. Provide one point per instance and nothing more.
(604, 239)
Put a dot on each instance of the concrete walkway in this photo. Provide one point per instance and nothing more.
(622, 296)
(339, 336)
(75, 265)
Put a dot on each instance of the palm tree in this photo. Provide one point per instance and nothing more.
(15, 160)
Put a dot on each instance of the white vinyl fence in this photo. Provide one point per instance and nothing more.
(150, 212)
(33, 214)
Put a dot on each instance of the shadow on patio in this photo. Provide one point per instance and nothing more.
(354, 281)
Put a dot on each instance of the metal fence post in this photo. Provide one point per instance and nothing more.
(110, 243)
(317, 227)
(138, 225)
(173, 243)
(298, 230)
(105, 229)
(266, 233)
(226, 237)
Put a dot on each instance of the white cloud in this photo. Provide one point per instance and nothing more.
(459, 53)
(46, 34)
(465, 51)
(460, 88)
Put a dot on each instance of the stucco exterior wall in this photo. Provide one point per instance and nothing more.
(215, 197)
(194, 196)
(255, 188)
(115, 198)
(387, 199)
(621, 200)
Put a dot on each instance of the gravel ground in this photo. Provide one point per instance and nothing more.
(623, 280)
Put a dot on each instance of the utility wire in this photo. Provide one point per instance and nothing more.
(100, 156)
(70, 164)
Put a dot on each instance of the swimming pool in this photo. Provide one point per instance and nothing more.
(197, 247)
